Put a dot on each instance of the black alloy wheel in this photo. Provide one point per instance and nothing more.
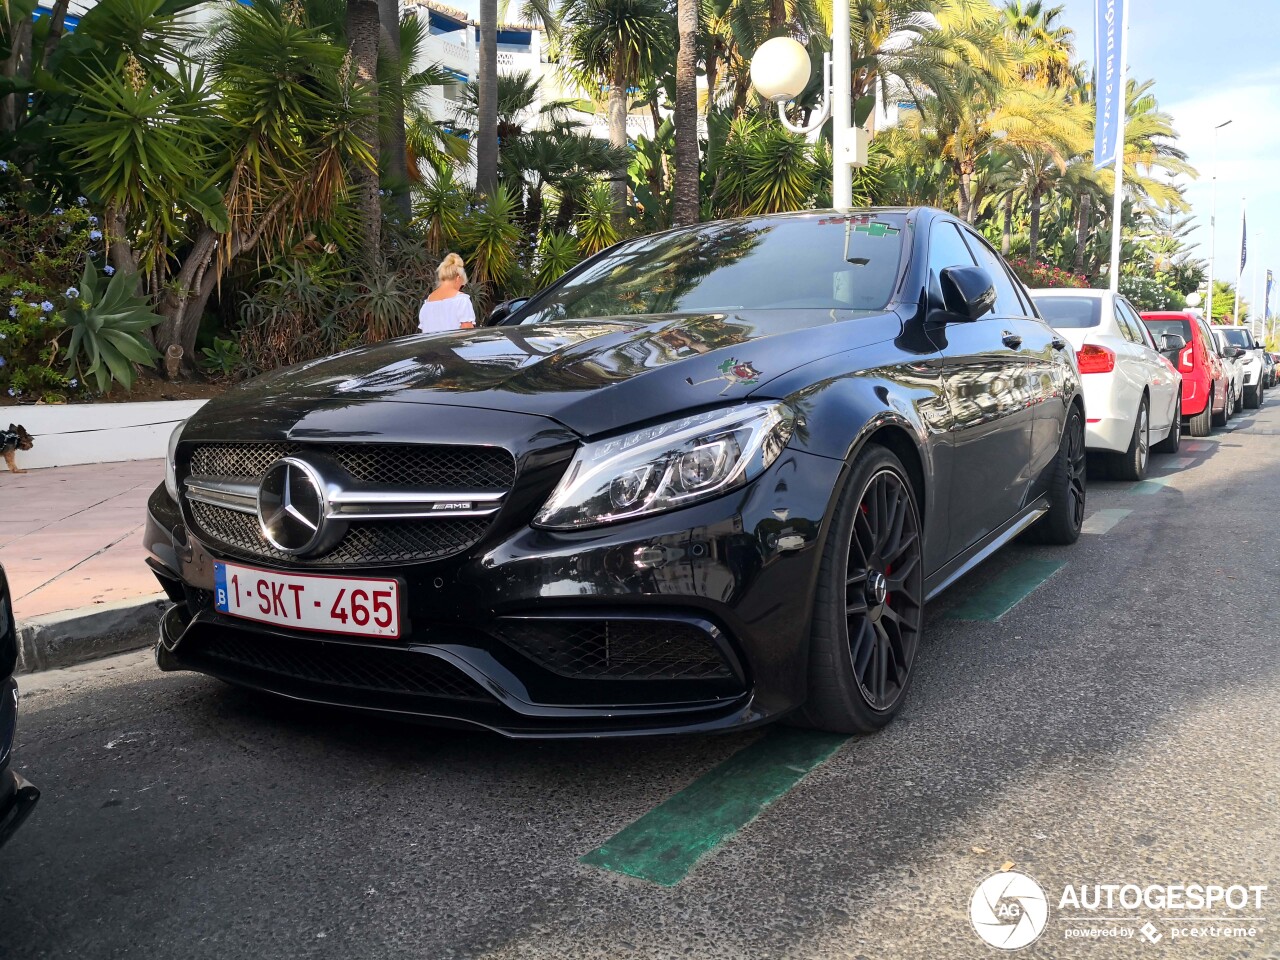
(1067, 490)
(869, 607)
(883, 590)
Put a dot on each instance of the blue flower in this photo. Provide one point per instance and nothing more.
(81, 201)
(93, 254)
(4, 336)
(72, 293)
(93, 221)
(1, 361)
(3, 167)
(11, 392)
(95, 234)
(74, 383)
(58, 211)
(13, 312)
(46, 306)
(108, 270)
(17, 293)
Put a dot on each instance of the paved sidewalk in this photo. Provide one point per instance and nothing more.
(71, 537)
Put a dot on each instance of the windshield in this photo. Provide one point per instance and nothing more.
(1236, 336)
(1070, 312)
(802, 263)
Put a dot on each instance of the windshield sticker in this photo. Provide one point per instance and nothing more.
(734, 372)
(864, 224)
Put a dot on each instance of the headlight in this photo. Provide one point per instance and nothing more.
(171, 469)
(667, 466)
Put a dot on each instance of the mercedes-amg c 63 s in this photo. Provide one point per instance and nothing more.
(708, 478)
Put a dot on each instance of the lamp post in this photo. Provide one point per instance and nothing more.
(1213, 219)
(780, 71)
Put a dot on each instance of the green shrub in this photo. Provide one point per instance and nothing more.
(224, 358)
(556, 255)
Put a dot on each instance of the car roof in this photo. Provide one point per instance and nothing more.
(1090, 293)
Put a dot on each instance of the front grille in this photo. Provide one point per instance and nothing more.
(405, 467)
(396, 465)
(375, 669)
(617, 649)
(369, 542)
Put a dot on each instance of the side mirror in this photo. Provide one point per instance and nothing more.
(967, 292)
(504, 310)
(1171, 341)
(1235, 353)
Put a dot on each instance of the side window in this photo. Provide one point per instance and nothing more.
(1008, 303)
(1144, 335)
(1125, 318)
(946, 249)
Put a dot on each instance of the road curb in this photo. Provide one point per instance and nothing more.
(89, 633)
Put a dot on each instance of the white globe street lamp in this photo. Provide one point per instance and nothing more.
(780, 71)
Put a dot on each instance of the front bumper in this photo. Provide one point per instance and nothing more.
(709, 603)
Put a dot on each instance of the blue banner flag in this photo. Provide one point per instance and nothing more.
(1244, 241)
(1266, 312)
(1108, 89)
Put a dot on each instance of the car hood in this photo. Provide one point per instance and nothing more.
(589, 375)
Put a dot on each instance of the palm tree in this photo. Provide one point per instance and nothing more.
(487, 114)
(686, 132)
(1045, 46)
(613, 45)
(363, 28)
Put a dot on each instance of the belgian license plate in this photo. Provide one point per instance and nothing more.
(352, 605)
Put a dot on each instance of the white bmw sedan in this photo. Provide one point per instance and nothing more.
(1132, 393)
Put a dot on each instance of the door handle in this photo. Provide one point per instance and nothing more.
(1011, 340)
(1058, 343)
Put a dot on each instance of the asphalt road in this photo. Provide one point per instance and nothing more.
(1119, 725)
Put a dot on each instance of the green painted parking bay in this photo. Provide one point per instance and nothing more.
(665, 844)
(1101, 521)
(1002, 593)
(1151, 484)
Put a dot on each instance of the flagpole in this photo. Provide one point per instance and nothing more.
(1235, 317)
(1256, 311)
(1117, 203)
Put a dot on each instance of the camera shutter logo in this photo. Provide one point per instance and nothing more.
(1009, 910)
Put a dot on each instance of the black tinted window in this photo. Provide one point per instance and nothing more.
(1134, 323)
(822, 263)
(1008, 303)
(1070, 312)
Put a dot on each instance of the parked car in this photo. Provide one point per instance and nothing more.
(1251, 363)
(708, 478)
(1132, 393)
(1205, 385)
(1268, 369)
(1233, 360)
(17, 796)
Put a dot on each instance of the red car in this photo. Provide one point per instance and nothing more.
(1204, 378)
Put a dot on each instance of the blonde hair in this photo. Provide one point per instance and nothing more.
(451, 268)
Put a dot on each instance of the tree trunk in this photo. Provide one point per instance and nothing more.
(17, 64)
(1082, 231)
(487, 107)
(1034, 231)
(1006, 233)
(686, 172)
(618, 134)
(964, 176)
(533, 213)
(713, 76)
(363, 29)
(394, 151)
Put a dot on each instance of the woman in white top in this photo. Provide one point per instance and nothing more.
(448, 308)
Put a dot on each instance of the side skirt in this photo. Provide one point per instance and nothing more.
(962, 564)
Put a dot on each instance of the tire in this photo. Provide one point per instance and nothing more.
(1200, 424)
(1067, 489)
(1173, 441)
(860, 632)
(1132, 464)
(1220, 419)
(1253, 397)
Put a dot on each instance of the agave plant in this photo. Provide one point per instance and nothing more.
(440, 207)
(108, 326)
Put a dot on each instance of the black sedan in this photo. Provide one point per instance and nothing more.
(707, 479)
(17, 797)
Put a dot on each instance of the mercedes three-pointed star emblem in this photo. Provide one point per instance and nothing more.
(292, 506)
